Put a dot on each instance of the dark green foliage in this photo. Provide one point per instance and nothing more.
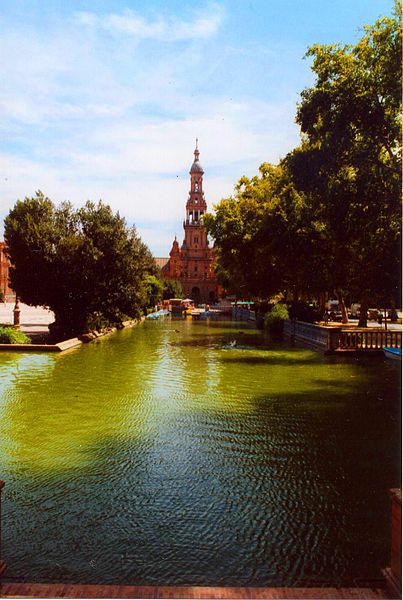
(351, 164)
(85, 265)
(154, 288)
(327, 219)
(9, 335)
(274, 320)
(172, 289)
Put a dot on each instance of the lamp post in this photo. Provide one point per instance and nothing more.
(17, 313)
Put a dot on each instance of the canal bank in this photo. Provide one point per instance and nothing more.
(34, 321)
(170, 456)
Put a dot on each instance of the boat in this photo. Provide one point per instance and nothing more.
(158, 314)
(198, 313)
(180, 307)
(393, 353)
(176, 307)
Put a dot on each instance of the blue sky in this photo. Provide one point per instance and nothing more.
(104, 98)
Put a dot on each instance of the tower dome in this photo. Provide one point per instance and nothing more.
(196, 166)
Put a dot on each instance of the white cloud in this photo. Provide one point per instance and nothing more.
(141, 168)
(165, 29)
(83, 117)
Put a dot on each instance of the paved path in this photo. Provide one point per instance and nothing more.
(34, 319)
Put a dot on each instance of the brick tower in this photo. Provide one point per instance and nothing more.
(192, 264)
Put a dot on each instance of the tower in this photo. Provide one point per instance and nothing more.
(195, 233)
(192, 264)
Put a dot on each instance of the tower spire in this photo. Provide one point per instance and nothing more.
(196, 166)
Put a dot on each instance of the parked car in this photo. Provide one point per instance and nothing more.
(355, 310)
(333, 308)
(392, 315)
(373, 314)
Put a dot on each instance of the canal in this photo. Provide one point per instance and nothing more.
(162, 454)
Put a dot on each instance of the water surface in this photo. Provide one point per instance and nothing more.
(163, 455)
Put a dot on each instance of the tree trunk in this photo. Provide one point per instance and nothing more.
(342, 304)
(322, 302)
(362, 322)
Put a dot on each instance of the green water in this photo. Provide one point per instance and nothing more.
(163, 455)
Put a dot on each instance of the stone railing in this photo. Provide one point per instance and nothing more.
(370, 340)
(330, 339)
(315, 336)
(244, 314)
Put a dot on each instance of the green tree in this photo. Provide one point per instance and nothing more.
(351, 118)
(86, 265)
(172, 289)
(242, 263)
(155, 289)
(266, 239)
(327, 218)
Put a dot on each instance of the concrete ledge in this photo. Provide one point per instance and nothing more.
(29, 348)
(60, 347)
(67, 344)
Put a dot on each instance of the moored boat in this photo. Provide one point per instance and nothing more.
(393, 353)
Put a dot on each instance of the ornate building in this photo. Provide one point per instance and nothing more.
(192, 263)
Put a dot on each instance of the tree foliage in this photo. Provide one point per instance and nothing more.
(86, 265)
(327, 217)
(172, 289)
(262, 234)
(351, 119)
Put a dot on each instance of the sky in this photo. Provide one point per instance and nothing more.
(103, 99)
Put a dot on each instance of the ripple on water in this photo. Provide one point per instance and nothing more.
(157, 456)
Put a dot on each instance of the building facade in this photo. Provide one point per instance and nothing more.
(193, 263)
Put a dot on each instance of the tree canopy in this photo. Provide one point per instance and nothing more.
(172, 289)
(86, 265)
(327, 217)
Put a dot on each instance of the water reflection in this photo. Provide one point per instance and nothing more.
(57, 408)
(161, 456)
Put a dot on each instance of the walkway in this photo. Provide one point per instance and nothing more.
(34, 319)
(60, 590)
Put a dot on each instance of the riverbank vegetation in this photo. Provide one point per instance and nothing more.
(326, 219)
(86, 265)
(10, 335)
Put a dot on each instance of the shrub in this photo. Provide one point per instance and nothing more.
(274, 319)
(9, 335)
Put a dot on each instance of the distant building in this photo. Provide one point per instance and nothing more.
(161, 262)
(192, 263)
(6, 292)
